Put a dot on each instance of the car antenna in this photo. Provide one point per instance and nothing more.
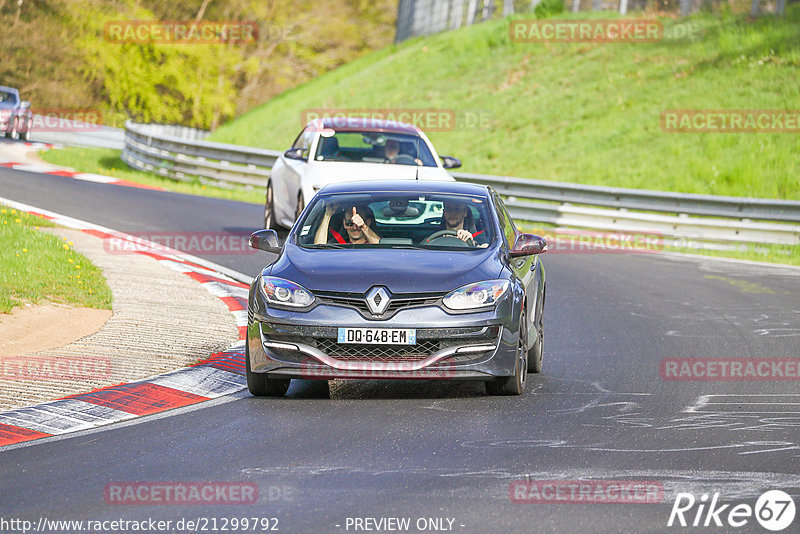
(416, 159)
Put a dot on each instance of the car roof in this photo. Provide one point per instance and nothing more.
(363, 124)
(406, 186)
(10, 89)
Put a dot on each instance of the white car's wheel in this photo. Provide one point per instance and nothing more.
(269, 209)
(301, 205)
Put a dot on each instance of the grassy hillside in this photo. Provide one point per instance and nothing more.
(582, 112)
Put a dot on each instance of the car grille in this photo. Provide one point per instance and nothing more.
(357, 301)
(369, 353)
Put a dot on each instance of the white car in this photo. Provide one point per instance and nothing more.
(334, 150)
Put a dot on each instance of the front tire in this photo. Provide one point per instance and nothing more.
(514, 384)
(536, 355)
(12, 133)
(27, 135)
(259, 384)
(269, 208)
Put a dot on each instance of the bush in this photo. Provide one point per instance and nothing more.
(548, 8)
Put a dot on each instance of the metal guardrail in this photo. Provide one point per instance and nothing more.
(178, 154)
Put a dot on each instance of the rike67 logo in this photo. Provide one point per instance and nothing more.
(774, 510)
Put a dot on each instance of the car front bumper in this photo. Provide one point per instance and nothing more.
(478, 346)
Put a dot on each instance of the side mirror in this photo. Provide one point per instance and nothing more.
(266, 240)
(24, 104)
(294, 153)
(449, 162)
(528, 244)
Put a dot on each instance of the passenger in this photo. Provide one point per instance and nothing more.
(359, 222)
(457, 217)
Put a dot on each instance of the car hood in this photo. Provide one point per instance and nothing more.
(321, 173)
(400, 270)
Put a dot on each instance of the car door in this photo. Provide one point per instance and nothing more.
(524, 267)
(286, 176)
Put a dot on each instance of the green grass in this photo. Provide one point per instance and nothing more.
(579, 112)
(36, 266)
(107, 162)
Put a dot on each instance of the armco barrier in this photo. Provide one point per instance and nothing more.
(179, 154)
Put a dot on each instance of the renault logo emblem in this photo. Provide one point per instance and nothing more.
(377, 300)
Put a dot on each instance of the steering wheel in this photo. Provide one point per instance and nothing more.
(450, 235)
(404, 159)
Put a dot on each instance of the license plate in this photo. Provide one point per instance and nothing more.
(378, 336)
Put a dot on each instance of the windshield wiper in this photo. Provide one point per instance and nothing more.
(411, 247)
(328, 245)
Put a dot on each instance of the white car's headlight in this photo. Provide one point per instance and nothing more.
(285, 293)
(477, 295)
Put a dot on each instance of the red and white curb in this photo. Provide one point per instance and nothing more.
(54, 170)
(218, 375)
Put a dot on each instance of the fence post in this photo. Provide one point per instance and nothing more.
(686, 5)
(623, 7)
(405, 18)
(576, 6)
(456, 14)
(754, 9)
(471, 9)
(508, 7)
(780, 6)
(488, 9)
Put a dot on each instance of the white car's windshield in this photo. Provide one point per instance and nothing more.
(374, 147)
(397, 219)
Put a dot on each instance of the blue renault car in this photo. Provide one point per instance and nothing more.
(393, 280)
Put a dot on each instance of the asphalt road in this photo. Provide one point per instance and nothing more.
(419, 450)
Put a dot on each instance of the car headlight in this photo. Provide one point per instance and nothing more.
(285, 293)
(477, 295)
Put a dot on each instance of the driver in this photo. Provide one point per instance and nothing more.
(391, 151)
(457, 218)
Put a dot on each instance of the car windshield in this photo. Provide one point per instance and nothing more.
(7, 97)
(398, 220)
(374, 147)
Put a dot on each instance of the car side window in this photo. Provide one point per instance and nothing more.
(506, 223)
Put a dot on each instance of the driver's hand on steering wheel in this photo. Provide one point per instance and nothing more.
(464, 235)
